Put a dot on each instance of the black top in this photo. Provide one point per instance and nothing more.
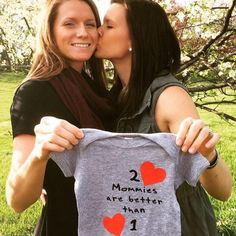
(33, 100)
(197, 215)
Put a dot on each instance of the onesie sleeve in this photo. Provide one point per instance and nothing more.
(189, 168)
(67, 160)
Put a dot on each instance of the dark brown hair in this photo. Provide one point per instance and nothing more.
(155, 49)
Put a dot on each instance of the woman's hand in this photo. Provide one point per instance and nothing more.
(194, 136)
(29, 159)
(53, 134)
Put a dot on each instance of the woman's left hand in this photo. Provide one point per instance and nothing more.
(194, 136)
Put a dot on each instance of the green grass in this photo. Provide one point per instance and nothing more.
(225, 211)
(13, 224)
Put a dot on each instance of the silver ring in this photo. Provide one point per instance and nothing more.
(210, 132)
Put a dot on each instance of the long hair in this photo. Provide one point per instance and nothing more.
(155, 49)
(48, 61)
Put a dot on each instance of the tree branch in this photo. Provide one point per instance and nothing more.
(219, 102)
(27, 24)
(223, 115)
(4, 52)
(210, 87)
(212, 41)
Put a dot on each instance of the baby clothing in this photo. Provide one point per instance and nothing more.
(126, 182)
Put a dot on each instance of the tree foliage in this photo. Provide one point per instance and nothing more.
(207, 34)
(206, 30)
(18, 23)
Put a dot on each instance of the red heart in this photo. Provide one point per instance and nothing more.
(115, 224)
(150, 174)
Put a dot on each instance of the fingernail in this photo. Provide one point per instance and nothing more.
(192, 150)
(80, 134)
(179, 142)
(184, 149)
(208, 144)
(76, 142)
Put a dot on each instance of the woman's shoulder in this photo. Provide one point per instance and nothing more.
(31, 85)
(161, 83)
(167, 79)
(33, 88)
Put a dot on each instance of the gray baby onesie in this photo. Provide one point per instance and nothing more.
(125, 183)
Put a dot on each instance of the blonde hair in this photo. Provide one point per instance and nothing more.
(48, 61)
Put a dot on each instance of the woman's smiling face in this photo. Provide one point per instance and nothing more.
(75, 32)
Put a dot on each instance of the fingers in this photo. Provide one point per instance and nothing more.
(197, 133)
(183, 130)
(194, 136)
(213, 140)
(55, 123)
(56, 135)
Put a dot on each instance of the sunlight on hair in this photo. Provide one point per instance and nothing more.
(102, 7)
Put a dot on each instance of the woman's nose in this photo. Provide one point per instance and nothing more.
(81, 31)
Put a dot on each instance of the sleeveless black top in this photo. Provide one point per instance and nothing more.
(197, 215)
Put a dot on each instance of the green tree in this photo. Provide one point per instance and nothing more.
(18, 23)
(206, 30)
(207, 34)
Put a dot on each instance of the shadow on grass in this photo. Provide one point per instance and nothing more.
(226, 230)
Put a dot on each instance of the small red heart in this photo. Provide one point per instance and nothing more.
(150, 174)
(115, 224)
